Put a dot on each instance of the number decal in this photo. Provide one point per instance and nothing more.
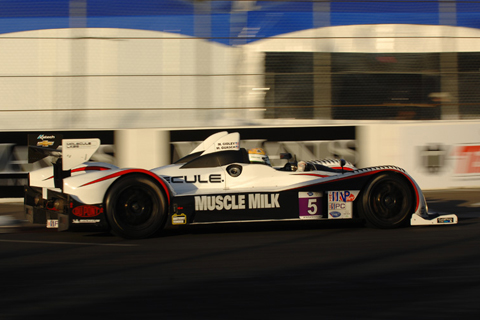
(312, 206)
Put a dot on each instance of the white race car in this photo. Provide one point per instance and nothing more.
(215, 183)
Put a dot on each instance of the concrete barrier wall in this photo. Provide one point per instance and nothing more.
(142, 148)
(439, 155)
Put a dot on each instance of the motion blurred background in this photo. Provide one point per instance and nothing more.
(67, 64)
(113, 65)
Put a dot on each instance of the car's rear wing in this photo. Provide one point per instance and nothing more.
(69, 152)
(43, 145)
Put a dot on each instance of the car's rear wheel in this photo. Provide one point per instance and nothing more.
(387, 201)
(135, 207)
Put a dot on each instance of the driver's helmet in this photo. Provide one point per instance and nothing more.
(258, 155)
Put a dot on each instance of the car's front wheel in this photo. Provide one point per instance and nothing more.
(135, 207)
(387, 201)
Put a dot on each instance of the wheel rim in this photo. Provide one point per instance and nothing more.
(389, 201)
(134, 206)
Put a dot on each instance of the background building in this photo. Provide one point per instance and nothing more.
(112, 64)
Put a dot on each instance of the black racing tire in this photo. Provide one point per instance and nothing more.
(135, 207)
(386, 202)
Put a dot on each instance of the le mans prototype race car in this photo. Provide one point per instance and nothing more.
(215, 183)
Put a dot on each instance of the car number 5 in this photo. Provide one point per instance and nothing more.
(312, 206)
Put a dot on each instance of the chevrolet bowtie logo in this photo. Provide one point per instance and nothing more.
(45, 143)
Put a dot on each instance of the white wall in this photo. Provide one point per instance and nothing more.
(142, 148)
(438, 155)
(114, 78)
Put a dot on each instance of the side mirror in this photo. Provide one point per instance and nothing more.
(342, 164)
(234, 170)
(286, 156)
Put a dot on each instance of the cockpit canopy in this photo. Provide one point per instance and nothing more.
(221, 148)
(216, 159)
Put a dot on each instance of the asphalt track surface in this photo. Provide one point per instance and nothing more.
(253, 271)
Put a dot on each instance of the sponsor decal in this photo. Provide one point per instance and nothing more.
(310, 205)
(337, 205)
(345, 196)
(44, 143)
(52, 223)
(76, 221)
(43, 137)
(335, 214)
(87, 211)
(468, 159)
(79, 144)
(237, 202)
(212, 178)
(179, 219)
(340, 204)
(446, 220)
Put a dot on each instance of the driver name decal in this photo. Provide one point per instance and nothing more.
(232, 145)
(237, 202)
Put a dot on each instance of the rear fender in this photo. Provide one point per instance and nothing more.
(90, 187)
(44, 177)
(162, 183)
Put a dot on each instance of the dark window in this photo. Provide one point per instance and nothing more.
(218, 159)
(468, 84)
(289, 75)
(384, 86)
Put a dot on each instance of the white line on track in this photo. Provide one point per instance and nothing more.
(72, 243)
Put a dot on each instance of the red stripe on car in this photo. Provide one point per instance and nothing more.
(92, 168)
(121, 173)
(96, 168)
(312, 174)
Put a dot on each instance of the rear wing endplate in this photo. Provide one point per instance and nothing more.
(78, 151)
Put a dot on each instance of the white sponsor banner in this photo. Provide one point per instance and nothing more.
(437, 154)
